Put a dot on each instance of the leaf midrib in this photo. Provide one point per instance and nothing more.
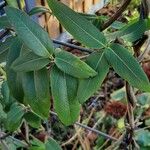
(124, 64)
(25, 63)
(69, 64)
(81, 28)
(139, 27)
(28, 29)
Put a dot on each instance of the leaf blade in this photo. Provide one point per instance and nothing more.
(14, 117)
(29, 62)
(87, 87)
(30, 32)
(52, 144)
(77, 25)
(63, 89)
(13, 78)
(127, 66)
(36, 91)
(72, 65)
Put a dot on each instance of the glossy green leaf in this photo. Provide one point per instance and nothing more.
(36, 90)
(30, 32)
(4, 23)
(14, 117)
(81, 29)
(127, 66)
(32, 119)
(133, 31)
(64, 88)
(29, 62)
(13, 78)
(51, 144)
(87, 87)
(38, 9)
(72, 65)
(4, 48)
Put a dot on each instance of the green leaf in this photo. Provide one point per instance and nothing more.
(4, 48)
(4, 23)
(38, 9)
(133, 31)
(72, 65)
(144, 99)
(6, 100)
(51, 144)
(36, 90)
(14, 117)
(81, 29)
(13, 78)
(87, 87)
(12, 3)
(32, 119)
(127, 66)
(143, 137)
(36, 38)
(37, 145)
(3, 115)
(29, 62)
(136, 30)
(64, 88)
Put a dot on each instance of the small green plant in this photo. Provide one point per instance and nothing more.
(37, 72)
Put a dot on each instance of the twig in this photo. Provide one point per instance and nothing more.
(80, 138)
(91, 129)
(73, 46)
(141, 57)
(96, 131)
(116, 15)
(70, 140)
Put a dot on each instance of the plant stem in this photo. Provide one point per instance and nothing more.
(116, 15)
(73, 46)
(91, 129)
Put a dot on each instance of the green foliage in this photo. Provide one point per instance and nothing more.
(143, 138)
(77, 25)
(30, 32)
(14, 117)
(4, 23)
(32, 119)
(4, 48)
(29, 62)
(37, 74)
(72, 65)
(52, 144)
(64, 88)
(12, 3)
(14, 78)
(127, 67)
(36, 91)
(133, 31)
(38, 9)
(87, 87)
